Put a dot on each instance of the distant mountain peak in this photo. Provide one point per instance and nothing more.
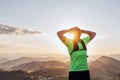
(105, 58)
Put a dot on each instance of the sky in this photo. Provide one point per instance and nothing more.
(50, 16)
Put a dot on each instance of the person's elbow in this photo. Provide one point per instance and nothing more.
(92, 35)
(58, 33)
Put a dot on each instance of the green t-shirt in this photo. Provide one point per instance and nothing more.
(78, 59)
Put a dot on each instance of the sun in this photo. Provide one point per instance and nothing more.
(69, 35)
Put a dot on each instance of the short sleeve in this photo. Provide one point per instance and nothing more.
(86, 40)
(68, 42)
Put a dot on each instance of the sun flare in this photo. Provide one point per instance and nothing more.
(69, 35)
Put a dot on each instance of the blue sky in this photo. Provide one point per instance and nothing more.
(49, 16)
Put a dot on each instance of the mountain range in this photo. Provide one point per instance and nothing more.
(36, 65)
(15, 62)
(103, 68)
(7, 64)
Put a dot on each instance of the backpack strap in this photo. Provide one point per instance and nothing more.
(83, 44)
(76, 47)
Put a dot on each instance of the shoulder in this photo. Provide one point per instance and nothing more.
(68, 42)
(86, 39)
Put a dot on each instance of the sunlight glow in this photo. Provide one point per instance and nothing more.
(83, 35)
(69, 35)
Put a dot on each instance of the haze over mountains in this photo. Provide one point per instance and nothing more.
(103, 68)
(9, 62)
(15, 62)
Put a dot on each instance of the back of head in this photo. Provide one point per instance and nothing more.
(75, 28)
(76, 31)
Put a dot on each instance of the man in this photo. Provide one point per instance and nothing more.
(78, 53)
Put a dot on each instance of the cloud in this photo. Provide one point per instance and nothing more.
(10, 30)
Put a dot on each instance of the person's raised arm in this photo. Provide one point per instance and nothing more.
(90, 33)
(61, 34)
